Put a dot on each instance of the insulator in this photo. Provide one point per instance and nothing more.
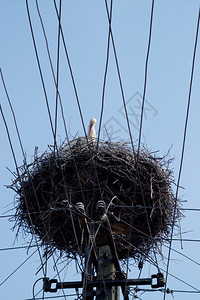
(101, 207)
(140, 265)
(66, 203)
(160, 279)
(81, 207)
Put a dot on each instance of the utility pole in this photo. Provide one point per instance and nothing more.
(88, 292)
(106, 263)
(106, 270)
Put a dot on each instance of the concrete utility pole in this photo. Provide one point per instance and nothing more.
(88, 292)
(105, 262)
(106, 270)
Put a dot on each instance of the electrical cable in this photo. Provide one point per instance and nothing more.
(71, 73)
(57, 74)
(53, 277)
(33, 291)
(114, 53)
(52, 297)
(46, 98)
(16, 165)
(119, 77)
(77, 100)
(40, 69)
(155, 264)
(12, 110)
(16, 248)
(58, 274)
(145, 76)
(120, 81)
(57, 93)
(7, 93)
(183, 146)
(117, 206)
(174, 239)
(47, 48)
(141, 120)
(62, 112)
(51, 66)
(56, 109)
(105, 74)
(170, 274)
(100, 121)
(24, 157)
(169, 291)
(18, 267)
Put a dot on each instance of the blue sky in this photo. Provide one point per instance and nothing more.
(85, 27)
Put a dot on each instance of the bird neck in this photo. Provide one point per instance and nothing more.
(90, 129)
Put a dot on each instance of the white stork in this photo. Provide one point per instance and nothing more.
(82, 141)
(91, 130)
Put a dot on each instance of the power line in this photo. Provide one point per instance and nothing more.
(174, 239)
(56, 108)
(55, 82)
(78, 103)
(18, 267)
(53, 277)
(153, 263)
(69, 295)
(51, 66)
(119, 77)
(145, 75)
(44, 89)
(40, 69)
(17, 248)
(169, 291)
(141, 122)
(71, 72)
(105, 73)
(57, 73)
(12, 110)
(183, 145)
(117, 206)
(16, 165)
(186, 292)
(122, 90)
(52, 297)
(45, 97)
(184, 240)
(41, 75)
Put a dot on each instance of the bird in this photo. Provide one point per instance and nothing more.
(91, 130)
(83, 141)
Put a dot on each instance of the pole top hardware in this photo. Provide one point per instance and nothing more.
(48, 283)
(160, 280)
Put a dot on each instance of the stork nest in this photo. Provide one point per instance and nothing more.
(113, 195)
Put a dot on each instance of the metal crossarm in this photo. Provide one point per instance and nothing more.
(49, 283)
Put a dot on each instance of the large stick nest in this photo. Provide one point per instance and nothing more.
(136, 190)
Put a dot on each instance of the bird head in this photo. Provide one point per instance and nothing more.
(92, 121)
